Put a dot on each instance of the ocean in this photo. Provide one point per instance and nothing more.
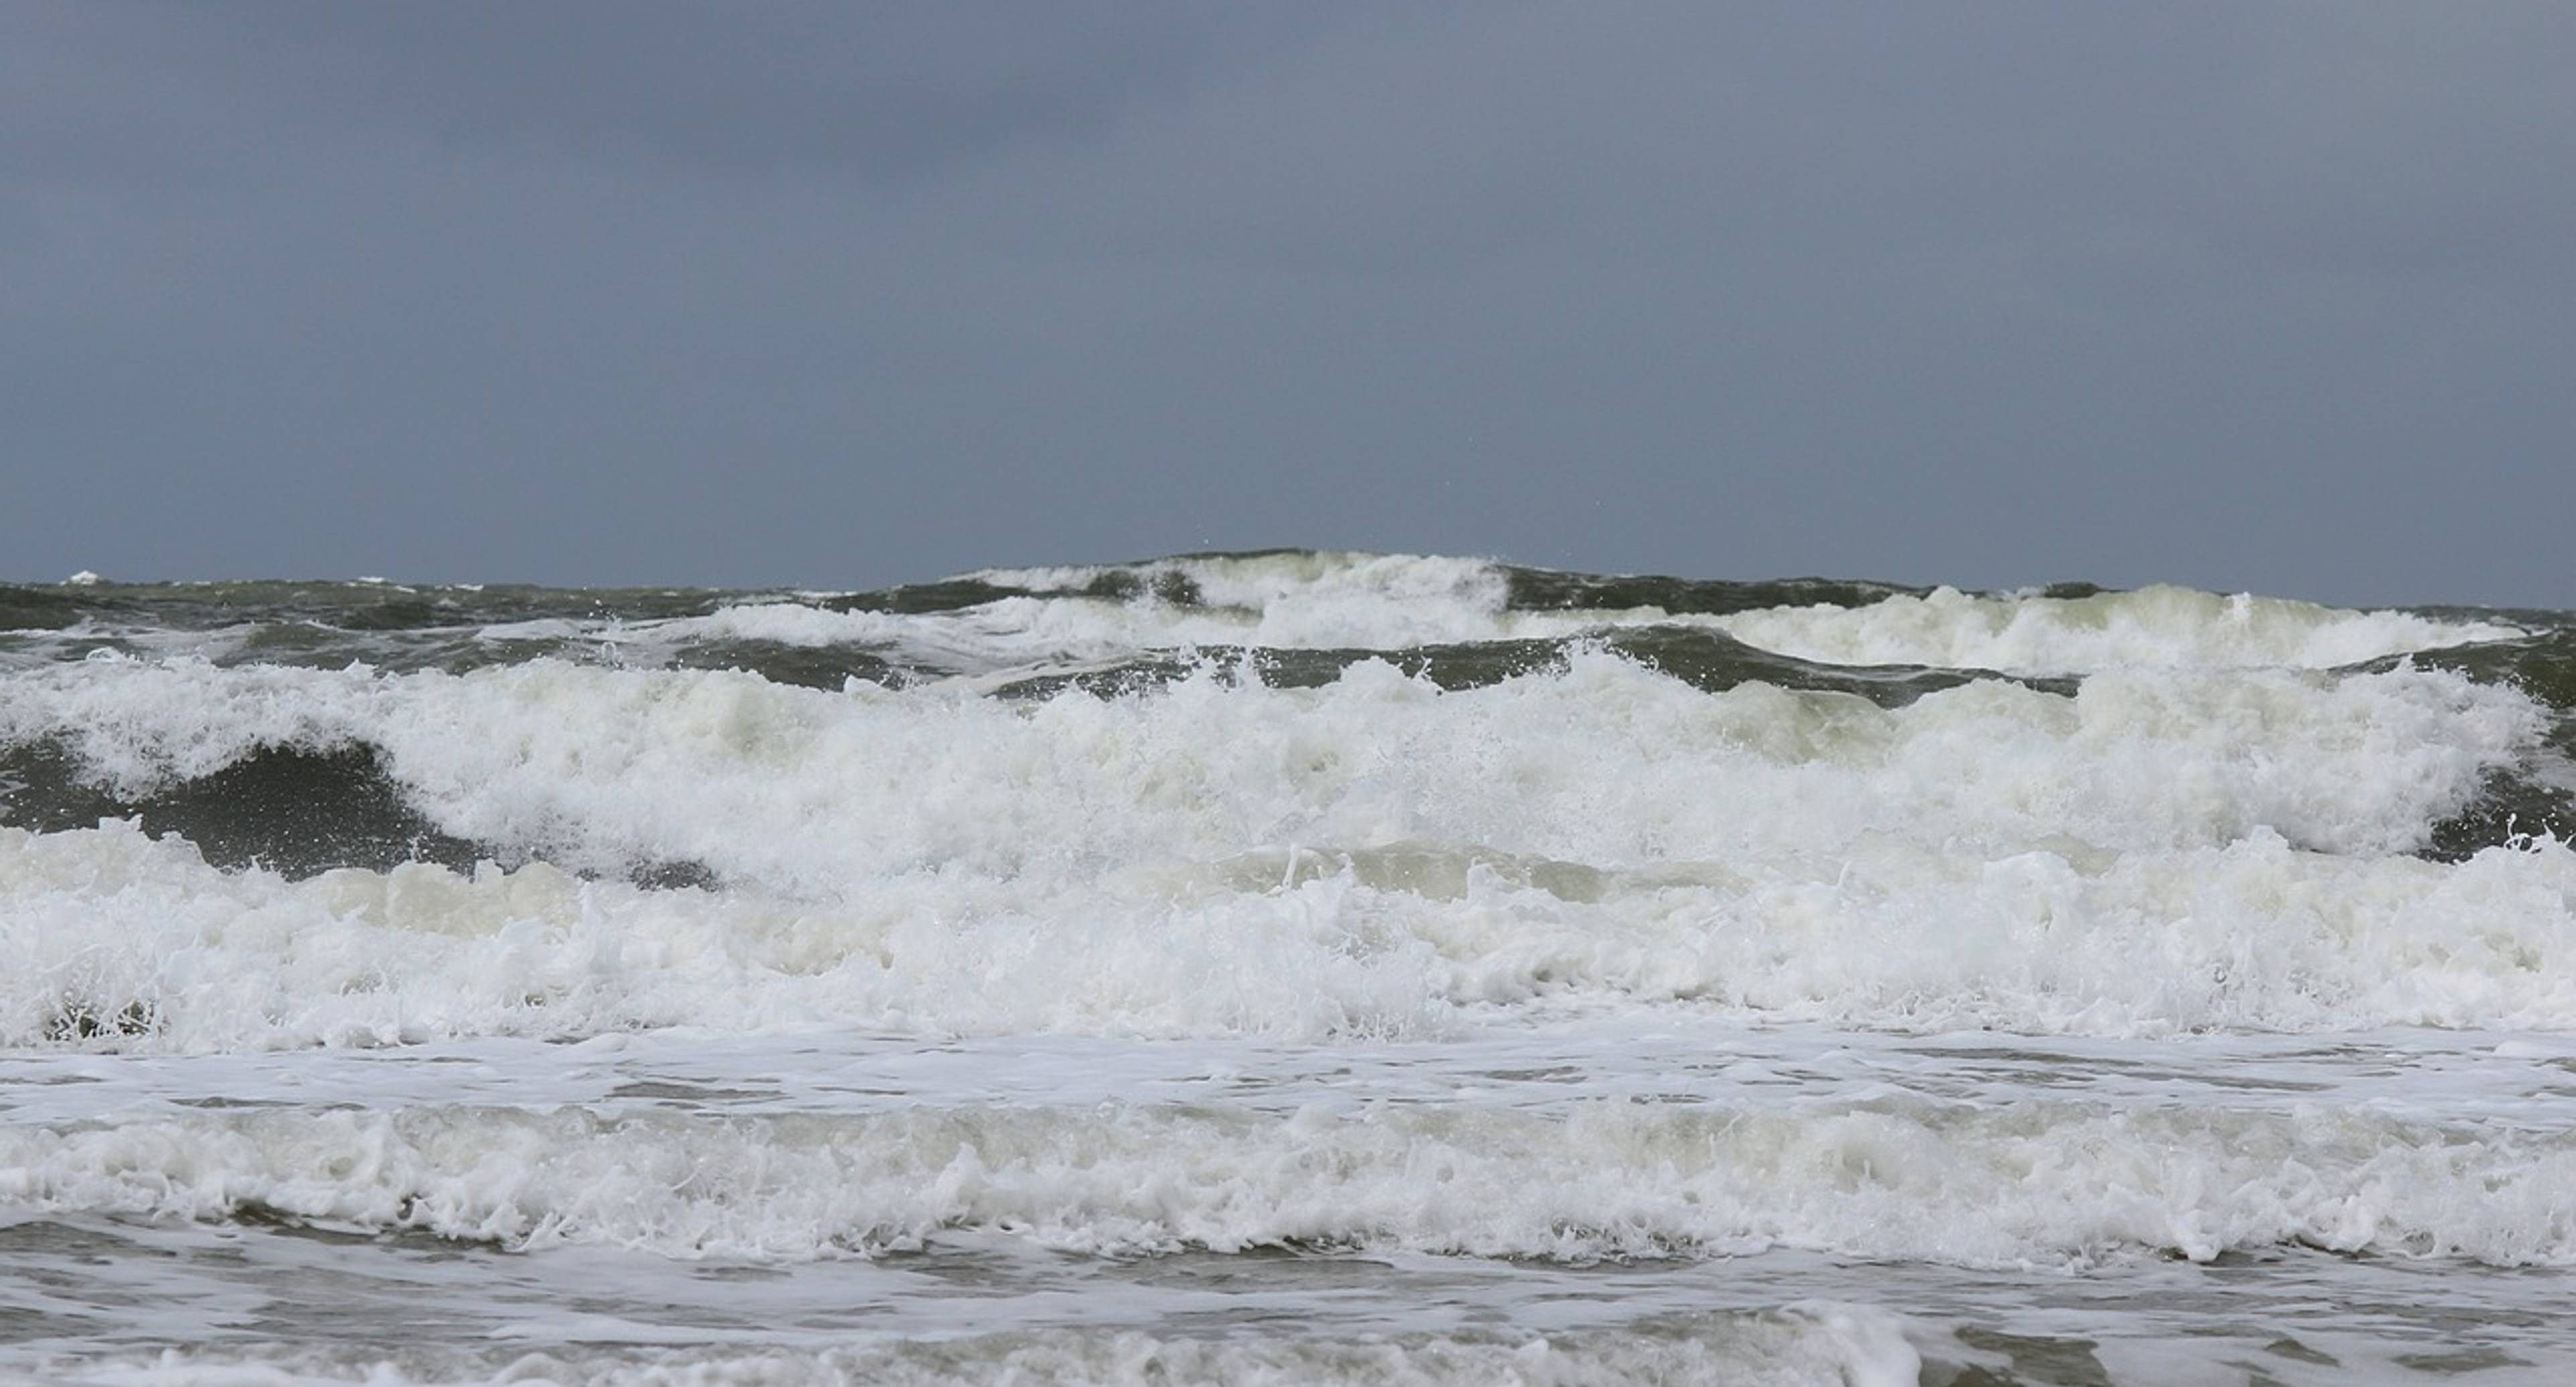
(1284, 968)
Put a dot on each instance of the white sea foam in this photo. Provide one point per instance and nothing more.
(2041, 1181)
(1078, 615)
(1262, 582)
(1011, 632)
(1362, 601)
(1371, 857)
(1278, 601)
(2155, 627)
(1586, 963)
(1383, 601)
(125, 942)
(1602, 762)
(139, 944)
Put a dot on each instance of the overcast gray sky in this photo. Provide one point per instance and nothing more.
(2271, 296)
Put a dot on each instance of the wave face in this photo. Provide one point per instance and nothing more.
(1463, 929)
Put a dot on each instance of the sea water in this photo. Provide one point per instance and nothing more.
(1283, 968)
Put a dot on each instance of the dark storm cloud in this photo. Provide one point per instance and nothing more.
(2268, 296)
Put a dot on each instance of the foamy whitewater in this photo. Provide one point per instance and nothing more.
(1283, 968)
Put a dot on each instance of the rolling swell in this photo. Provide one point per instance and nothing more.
(24, 607)
(1709, 661)
(1282, 620)
(295, 811)
(1541, 589)
(1289, 966)
(2534, 798)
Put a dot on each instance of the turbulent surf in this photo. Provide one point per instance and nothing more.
(1284, 967)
